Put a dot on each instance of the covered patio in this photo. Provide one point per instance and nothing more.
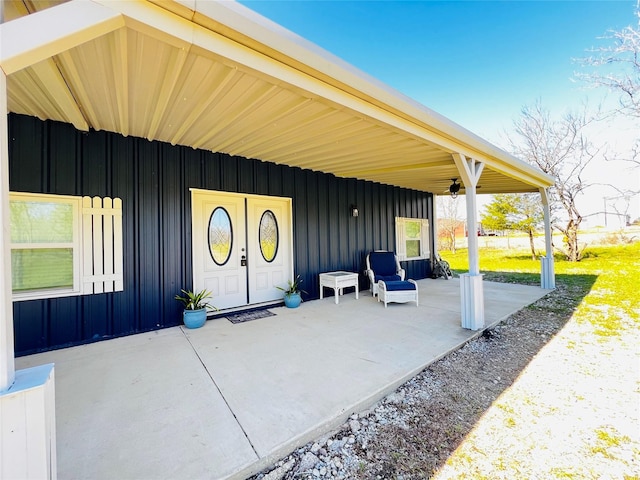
(277, 112)
(227, 400)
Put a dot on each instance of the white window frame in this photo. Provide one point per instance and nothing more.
(401, 246)
(96, 244)
(75, 245)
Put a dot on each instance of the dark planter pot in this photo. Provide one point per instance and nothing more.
(194, 318)
(292, 300)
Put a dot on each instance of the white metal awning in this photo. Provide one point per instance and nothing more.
(217, 76)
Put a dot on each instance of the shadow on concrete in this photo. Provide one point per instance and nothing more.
(462, 386)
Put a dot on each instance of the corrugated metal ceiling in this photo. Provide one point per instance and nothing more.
(197, 89)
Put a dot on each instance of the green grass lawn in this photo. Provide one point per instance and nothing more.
(603, 286)
(580, 387)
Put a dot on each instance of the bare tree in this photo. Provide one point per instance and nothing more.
(561, 149)
(449, 222)
(617, 66)
(619, 206)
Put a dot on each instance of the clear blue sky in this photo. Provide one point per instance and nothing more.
(476, 62)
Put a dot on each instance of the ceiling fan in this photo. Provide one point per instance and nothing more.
(455, 187)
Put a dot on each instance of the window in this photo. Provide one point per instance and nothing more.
(268, 236)
(412, 238)
(220, 236)
(63, 245)
(45, 244)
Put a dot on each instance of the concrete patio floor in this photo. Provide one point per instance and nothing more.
(226, 400)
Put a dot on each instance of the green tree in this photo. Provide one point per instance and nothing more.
(521, 212)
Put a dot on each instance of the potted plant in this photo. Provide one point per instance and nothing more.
(195, 307)
(292, 296)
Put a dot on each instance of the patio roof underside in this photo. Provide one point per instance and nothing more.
(219, 77)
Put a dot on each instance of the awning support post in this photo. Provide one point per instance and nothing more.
(7, 363)
(471, 288)
(27, 397)
(547, 275)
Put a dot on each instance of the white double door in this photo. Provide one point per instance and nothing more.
(242, 246)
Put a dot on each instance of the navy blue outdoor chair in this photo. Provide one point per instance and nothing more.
(383, 265)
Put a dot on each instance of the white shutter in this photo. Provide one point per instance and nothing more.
(401, 246)
(424, 239)
(102, 242)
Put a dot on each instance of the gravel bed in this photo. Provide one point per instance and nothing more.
(539, 396)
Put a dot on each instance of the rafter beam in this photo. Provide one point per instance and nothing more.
(121, 78)
(392, 169)
(204, 104)
(51, 79)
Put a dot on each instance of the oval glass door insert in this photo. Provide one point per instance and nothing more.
(268, 236)
(220, 236)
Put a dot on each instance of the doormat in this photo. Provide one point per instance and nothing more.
(242, 317)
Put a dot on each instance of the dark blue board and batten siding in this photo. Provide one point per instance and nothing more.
(153, 180)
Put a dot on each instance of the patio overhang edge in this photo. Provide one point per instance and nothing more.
(41, 35)
(246, 28)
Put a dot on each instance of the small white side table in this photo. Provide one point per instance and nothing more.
(338, 281)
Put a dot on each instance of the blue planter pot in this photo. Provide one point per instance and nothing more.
(292, 300)
(194, 318)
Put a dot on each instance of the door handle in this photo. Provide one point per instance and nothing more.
(243, 261)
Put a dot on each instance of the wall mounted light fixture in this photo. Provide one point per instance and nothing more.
(354, 211)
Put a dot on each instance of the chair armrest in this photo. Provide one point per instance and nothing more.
(399, 270)
(372, 280)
